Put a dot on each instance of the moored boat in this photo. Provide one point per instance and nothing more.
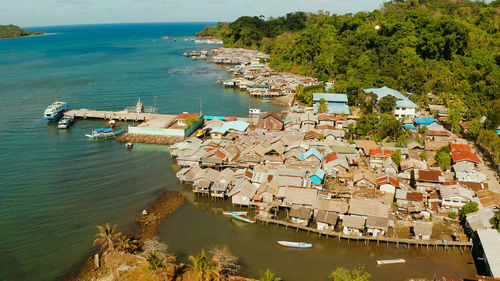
(55, 111)
(295, 244)
(254, 111)
(104, 133)
(230, 213)
(65, 122)
(240, 218)
(129, 145)
(380, 262)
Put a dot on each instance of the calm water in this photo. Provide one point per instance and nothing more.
(55, 186)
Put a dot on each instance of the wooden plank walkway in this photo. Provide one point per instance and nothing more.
(108, 115)
(367, 239)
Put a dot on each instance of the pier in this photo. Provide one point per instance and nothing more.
(113, 115)
(366, 239)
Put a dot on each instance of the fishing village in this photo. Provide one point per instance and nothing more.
(301, 168)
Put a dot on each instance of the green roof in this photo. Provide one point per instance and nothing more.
(343, 149)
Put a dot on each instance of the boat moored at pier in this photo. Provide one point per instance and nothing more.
(104, 133)
(65, 122)
(381, 262)
(55, 111)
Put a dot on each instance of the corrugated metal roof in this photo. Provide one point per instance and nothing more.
(330, 97)
(490, 239)
(402, 101)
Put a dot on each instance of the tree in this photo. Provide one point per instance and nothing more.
(156, 261)
(357, 273)
(268, 275)
(223, 259)
(202, 266)
(192, 120)
(423, 155)
(452, 215)
(422, 129)
(474, 127)
(127, 243)
(443, 157)
(396, 157)
(106, 237)
(468, 208)
(387, 103)
(323, 106)
(495, 221)
(388, 126)
(454, 118)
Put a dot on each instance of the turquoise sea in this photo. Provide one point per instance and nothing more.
(56, 185)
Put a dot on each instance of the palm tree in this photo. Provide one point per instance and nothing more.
(202, 266)
(106, 237)
(125, 243)
(268, 275)
(155, 261)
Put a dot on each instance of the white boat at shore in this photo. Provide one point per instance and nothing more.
(295, 244)
(254, 111)
(240, 218)
(238, 213)
(394, 261)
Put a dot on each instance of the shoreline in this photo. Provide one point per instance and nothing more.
(146, 227)
(32, 35)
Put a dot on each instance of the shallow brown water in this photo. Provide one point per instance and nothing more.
(200, 224)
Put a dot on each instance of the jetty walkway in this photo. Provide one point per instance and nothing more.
(366, 239)
(115, 115)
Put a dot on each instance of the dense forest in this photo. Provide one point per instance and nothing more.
(448, 48)
(12, 31)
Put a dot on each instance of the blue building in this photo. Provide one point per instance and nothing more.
(318, 176)
(337, 103)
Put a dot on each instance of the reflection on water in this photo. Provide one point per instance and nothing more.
(200, 224)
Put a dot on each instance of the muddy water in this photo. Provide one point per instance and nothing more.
(200, 224)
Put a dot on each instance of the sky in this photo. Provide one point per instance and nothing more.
(30, 13)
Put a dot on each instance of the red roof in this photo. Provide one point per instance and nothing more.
(330, 157)
(387, 180)
(325, 117)
(429, 175)
(377, 152)
(185, 115)
(230, 118)
(461, 152)
(414, 196)
(340, 117)
(274, 90)
(325, 127)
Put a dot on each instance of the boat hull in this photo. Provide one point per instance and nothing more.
(242, 219)
(53, 117)
(394, 261)
(295, 244)
(230, 213)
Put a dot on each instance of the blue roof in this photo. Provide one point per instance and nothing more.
(104, 130)
(424, 121)
(410, 127)
(211, 117)
(312, 151)
(318, 176)
(334, 109)
(330, 97)
(233, 125)
(498, 131)
(402, 101)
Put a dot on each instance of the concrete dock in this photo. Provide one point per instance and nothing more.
(115, 115)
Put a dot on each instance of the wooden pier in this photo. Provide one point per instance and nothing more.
(366, 239)
(111, 115)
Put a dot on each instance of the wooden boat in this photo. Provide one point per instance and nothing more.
(380, 262)
(230, 213)
(295, 244)
(240, 218)
(129, 145)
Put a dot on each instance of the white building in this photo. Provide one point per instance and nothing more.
(404, 107)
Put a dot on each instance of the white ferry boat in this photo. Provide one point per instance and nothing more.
(54, 111)
(254, 111)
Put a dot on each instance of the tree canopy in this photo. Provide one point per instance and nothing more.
(12, 31)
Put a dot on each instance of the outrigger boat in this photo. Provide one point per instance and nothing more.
(240, 218)
(104, 133)
(295, 244)
(380, 262)
(230, 213)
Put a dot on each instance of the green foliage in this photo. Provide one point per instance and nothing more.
(423, 155)
(323, 106)
(268, 275)
(474, 127)
(387, 103)
(202, 264)
(389, 126)
(305, 94)
(191, 121)
(466, 209)
(422, 129)
(12, 31)
(443, 157)
(357, 273)
(495, 221)
(490, 140)
(450, 48)
(452, 215)
(220, 31)
(366, 101)
(155, 261)
(396, 157)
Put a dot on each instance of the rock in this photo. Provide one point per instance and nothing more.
(144, 212)
(96, 260)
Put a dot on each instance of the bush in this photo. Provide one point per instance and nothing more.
(452, 215)
(468, 208)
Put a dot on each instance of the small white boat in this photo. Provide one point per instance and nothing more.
(230, 213)
(65, 122)
(104, 133)
(295, 244)
(380, 262)
(129, 145)
(240, 218)
(254, 111)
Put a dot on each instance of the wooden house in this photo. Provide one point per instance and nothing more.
(242, 192)
(353, 225)
(271, 120)
(376, 226)
(326, 221)
(300, 215)
(422, 230)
